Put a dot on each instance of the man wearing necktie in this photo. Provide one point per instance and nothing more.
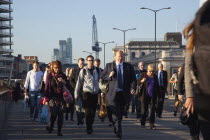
(163, 83)
(122, 82)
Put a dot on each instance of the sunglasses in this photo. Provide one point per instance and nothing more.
(151, 71)
(90, 60)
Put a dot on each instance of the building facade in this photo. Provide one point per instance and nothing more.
(6, 59)
(169, 52)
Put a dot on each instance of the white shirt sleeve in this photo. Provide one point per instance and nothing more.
(27, 80)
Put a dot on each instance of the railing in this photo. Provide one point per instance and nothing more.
(6, 33)
(6, 8)
(6, 25)
(11, 1)
(6, 58)
(5, 16)
(6, 42)
(5, 99)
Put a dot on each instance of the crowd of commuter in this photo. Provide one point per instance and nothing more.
(83, 89)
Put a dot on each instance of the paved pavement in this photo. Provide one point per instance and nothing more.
(19, 127)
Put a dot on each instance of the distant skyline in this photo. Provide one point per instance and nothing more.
(39, 25)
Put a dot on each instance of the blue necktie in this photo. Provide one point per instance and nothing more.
(119, 78)
(160, 79)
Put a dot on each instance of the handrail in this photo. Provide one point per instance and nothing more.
(7, 0)
(4, 16)
(6, 8)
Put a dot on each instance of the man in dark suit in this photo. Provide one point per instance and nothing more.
(73, 82)
(122, 83)
(163, 83)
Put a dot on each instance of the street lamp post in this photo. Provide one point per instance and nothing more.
(124, 34)
(155, 11)
(104, 49)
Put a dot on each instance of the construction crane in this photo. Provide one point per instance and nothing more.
(95, 44)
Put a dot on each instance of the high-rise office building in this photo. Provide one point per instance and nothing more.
(6, 59)
(55, 55)
(65, 51)
(69, 49)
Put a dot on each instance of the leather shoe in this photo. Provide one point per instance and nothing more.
(119, 135)
(49, 129)
(59, 134)
(89, 131)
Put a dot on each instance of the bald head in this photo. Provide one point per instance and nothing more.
(119, 56)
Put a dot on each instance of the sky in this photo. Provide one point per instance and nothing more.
(40, 24)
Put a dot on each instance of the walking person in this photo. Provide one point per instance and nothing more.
(174, 80)
(55, 82)
(197, 68)
(70, 107)
(17, 91)
(148, 95)
(78, 103)
(194, 123)
(163, 83)
(88, 81)
(33, 84)
(122, 83)
(136, 103)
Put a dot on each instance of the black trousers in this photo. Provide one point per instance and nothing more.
(54, 116)
(89, 104)
(127, 106)
(146, 103)
(109, 113)
(194, 126)
(118, 110)
(203, 110)
(70, 109)
(160, 102)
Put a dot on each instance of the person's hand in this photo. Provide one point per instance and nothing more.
(111, 74)
(190, 104)
(76, 97)
(143, 80)
(133, 91)
(180, 97)
(102, 94)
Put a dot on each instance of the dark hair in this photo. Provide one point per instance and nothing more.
(89, 56)
(97, 60)
(80, 59)
(36, 62)
(48, 67)
(58, 63)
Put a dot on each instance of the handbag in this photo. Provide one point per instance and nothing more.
(102, 114)
(140, 88)
(67, 95)
(184, 117)
(44, 115)
(104, 86)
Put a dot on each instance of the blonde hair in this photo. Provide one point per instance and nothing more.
(189, 34)
(150, 67)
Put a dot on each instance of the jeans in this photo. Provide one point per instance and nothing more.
(79, 111)
(35, 98)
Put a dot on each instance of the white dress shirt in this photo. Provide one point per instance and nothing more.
(33, 80)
